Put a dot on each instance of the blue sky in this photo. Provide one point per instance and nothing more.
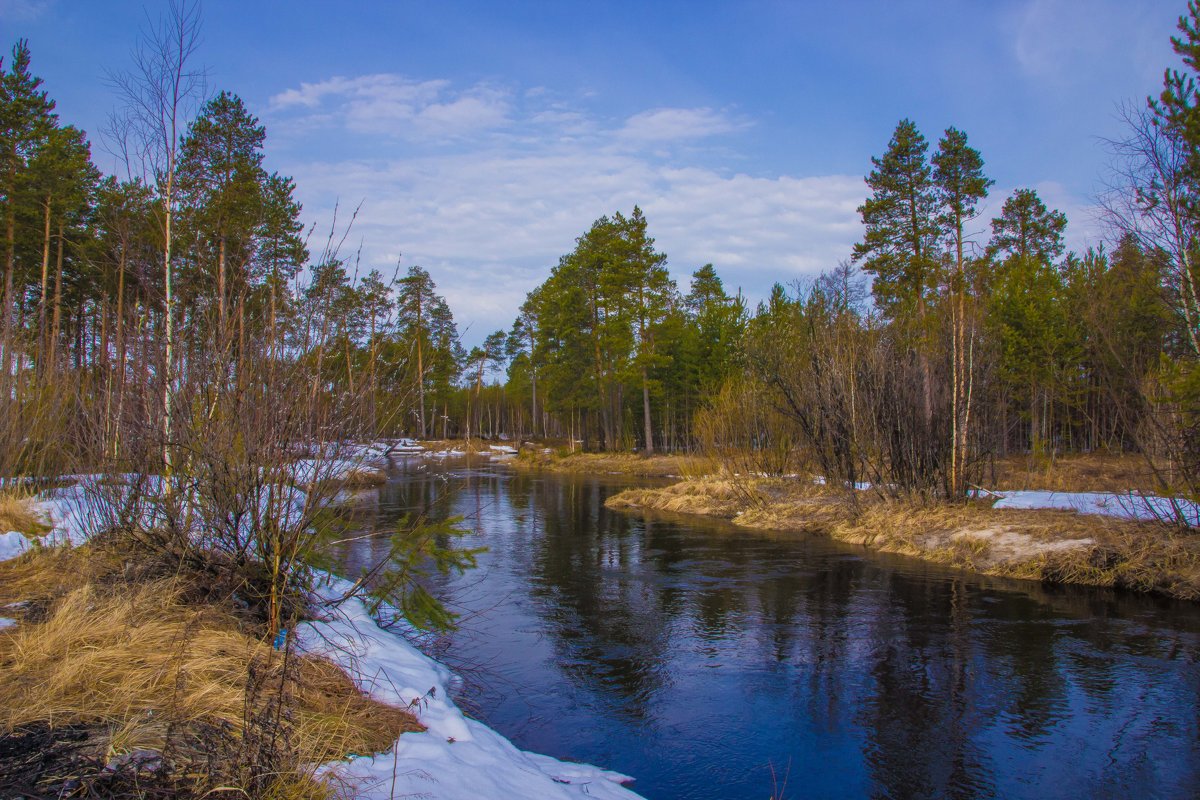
(483, 137)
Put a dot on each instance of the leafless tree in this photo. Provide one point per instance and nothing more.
(160, 92)
(1151, 196)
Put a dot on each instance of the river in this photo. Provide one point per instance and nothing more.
(712, 662)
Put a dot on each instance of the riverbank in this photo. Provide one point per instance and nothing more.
(632, 464)
(1057, 546)
(123, 675)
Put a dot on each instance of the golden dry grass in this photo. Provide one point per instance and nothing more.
(1057, 546)
(654, 466)
(17, 514)
(1087, 472)
(363, 478)
(138, 661)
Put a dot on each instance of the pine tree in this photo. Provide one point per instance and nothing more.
(900, 216)
(1026, 228)
(653, 294)
(958, 176)
(899, 247)
(26, 119)
(222, 188)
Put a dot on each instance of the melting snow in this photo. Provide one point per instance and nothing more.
(12, 544)
(1111, 504)
(457, 758)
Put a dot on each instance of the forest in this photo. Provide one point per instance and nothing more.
(207, 539)
(138, 307)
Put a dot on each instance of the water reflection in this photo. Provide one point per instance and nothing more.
(702, 659)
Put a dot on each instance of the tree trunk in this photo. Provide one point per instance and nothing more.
(221, 313)
(10, 256)
(646, 412)
(55, 325)
(45, 275)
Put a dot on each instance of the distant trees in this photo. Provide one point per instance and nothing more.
(962, 350)
(430, 353)
(615, 354)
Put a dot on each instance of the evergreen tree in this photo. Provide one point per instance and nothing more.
(901, 221)
(222, 189)
(958, 176)
(1027, 229)
(653, 295)
(26, 118)
(718, 321)
(429, 338)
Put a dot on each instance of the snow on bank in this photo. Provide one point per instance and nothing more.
(5, 622)
(12, 544)
(457, 758)
(1110, 504)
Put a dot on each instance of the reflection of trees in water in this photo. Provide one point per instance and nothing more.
(608, 626)
(945, 683)
(919, 708)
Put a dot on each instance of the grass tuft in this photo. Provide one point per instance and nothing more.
(143, 670)
(17, 514)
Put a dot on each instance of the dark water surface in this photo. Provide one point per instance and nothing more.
(711, 662)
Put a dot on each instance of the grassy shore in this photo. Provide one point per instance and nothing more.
(1056, 546)
(140, 677)
(632, 464)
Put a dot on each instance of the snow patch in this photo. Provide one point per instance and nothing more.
(457, 758)
(5, 622)
(1109, 504)
(13, 544)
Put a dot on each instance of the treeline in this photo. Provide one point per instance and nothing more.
(120, 294)
(929, 355)
(129, 301)
(174, 338)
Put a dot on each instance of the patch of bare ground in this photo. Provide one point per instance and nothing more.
(634, 464)
(1055, 546)
(128, 680)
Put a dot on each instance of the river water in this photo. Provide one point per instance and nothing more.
(712, 662)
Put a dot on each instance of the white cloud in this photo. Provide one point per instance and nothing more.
(530, 172)
(23, 10)
(490, 225)
(673, 124)
(490, 216)
(1071, 41)
(395, 105)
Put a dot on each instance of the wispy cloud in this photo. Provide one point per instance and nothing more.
(1070, 41)
(673, 124)
(530, 171)
(395, 105)
(23, 10)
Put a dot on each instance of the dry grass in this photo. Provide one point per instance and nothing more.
(1055, 546)
(17, 514)
(363, 478)
(710, 497)
(654, 466)
(1090, 472)
(147, 670)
